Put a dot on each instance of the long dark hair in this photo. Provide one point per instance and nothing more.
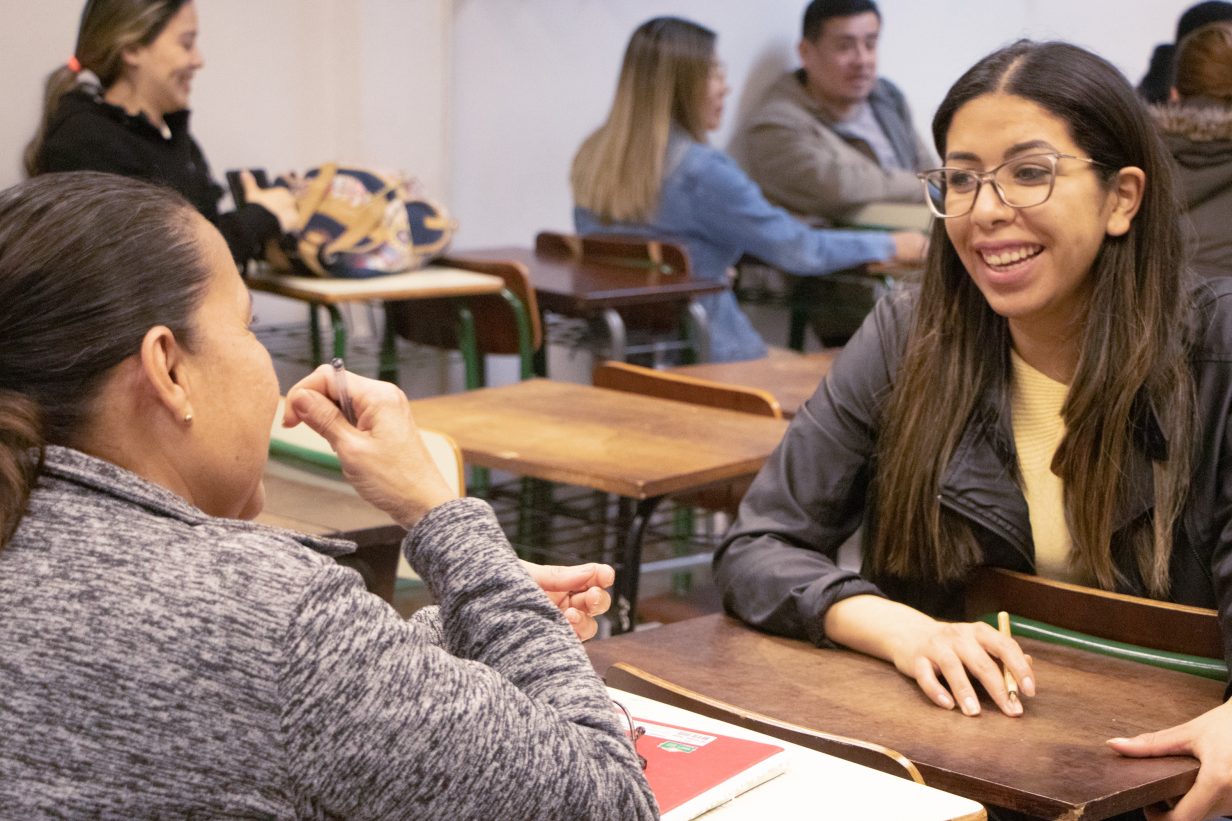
(1133, 355)
(88, 263)
(108, 27)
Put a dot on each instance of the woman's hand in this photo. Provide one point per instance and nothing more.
(278, 200)
(909, 246)
(942, 657)
(1207, 738)
(577, 590)
(382, 455)
(956, 652)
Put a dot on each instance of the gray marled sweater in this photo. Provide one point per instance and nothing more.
(157, 662)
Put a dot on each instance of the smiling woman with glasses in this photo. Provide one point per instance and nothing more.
(1053, 399)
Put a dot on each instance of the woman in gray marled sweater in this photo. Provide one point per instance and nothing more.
(160, 657)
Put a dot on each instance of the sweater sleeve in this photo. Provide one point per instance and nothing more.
(731, 206)
(507, 720)
(776, 567)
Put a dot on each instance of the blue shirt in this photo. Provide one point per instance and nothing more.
(711, 207)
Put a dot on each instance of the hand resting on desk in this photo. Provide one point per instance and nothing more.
(1207, 738)
(931, 651)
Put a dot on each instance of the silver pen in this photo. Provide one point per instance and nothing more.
(340, 388)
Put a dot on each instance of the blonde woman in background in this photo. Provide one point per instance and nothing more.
(648, 171)
(1197, 128)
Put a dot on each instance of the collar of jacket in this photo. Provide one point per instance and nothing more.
(981, 480)
(89, 95)
(100, 476)
(887, 110)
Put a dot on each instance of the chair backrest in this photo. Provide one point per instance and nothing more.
(1173, 628)
(634, 680)
(434, 322)
(616, 249)
(301, 443)
(622, 376)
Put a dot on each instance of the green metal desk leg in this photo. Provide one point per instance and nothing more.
(468, 346)
(388, 370)
(314, 331)
(525, 344)
(340, 332)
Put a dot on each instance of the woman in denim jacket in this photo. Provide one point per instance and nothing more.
(648, 171)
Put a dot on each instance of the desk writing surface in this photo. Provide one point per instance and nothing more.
(1052, 762)
(836, 788)
(627, 444)
(428, 283)
(789, 379)
(567, 286)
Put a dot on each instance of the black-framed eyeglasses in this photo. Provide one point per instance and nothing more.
(1022, 182)
(636, 731)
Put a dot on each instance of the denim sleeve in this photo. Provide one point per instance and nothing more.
(730, 206)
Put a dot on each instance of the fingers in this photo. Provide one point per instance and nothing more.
(249, 183)
(571, 578)
(1172, 741)
(926, 678)
(320, 414)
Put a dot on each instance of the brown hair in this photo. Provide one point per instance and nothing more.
(108, 27)
(1204, 63)
(1133, 353)
(618, 172)
(88, 263)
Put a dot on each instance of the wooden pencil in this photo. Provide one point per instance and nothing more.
(1003, 625)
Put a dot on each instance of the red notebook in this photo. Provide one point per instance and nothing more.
(691, 772)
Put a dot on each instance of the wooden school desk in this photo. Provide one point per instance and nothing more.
(637, 447)
(834, 787)
(433, 282)
(789, 379)
(585, 289)
(1051, 762)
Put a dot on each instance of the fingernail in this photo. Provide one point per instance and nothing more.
(971, 706)
(946, 701)
(1015, 708)
(1116, 741)
(1028, 685)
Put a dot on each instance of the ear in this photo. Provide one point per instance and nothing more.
(805, 49)
(131, 55)
(1174, 96)
(162, 364)
(1126, 196)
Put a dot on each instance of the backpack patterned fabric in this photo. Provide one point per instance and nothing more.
(359, 223)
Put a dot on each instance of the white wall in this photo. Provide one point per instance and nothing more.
(486, 100)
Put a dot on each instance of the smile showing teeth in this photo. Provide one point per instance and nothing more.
(1011, 255)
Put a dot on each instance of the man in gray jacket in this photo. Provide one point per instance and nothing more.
(831, 137)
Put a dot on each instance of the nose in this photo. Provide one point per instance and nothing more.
(989, 209)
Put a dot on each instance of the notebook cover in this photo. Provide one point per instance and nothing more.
(683, 765)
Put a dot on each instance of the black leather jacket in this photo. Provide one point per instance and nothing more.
(776, 567)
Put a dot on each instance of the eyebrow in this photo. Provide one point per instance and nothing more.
(1013, 151)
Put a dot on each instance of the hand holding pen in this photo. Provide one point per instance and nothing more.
(378, 444)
